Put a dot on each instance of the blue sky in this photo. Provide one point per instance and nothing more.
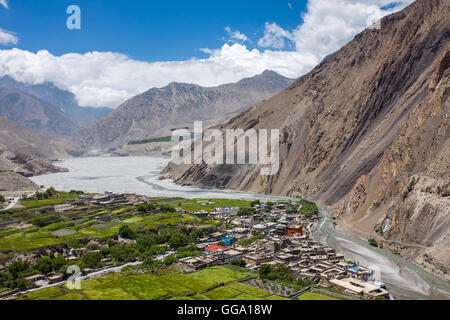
(144, 30)
(127, 47)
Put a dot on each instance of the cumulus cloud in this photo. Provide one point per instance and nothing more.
(274, 36)
(7, 38)
(329, 24)
(4, 3)
(236, 35)
(108, 79)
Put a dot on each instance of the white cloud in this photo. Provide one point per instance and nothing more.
(4, 3)
(329, 24)
(7, 38)
(236, 35)
(274, 36)
(108, 79)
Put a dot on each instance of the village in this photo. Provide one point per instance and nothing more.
(263, 234)
(284, 240)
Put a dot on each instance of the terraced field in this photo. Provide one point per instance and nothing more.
(314, 296)
(29, 230)
(202, 204)
(202, 285)
(35, 227)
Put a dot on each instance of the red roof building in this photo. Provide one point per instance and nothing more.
(215, 247)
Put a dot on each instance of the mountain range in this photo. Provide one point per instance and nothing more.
(154, 113)
(61, 99)
(366, 133)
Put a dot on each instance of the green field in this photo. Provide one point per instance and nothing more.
(202, 204)
(314, 296)
(198, 285)
(80, 225)
(47, 229)
(46, 202)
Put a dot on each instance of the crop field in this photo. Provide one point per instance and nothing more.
(156, 287)
(39, 230)
(202, 204)
(314, 296)
(47, 229)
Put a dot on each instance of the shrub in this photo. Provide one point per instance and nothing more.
(91, 260)
(177, 239)
(44, 265)
(169, 260)
(245, 211)
(373, 242)
(249, 241)
(123, 253)
(167, 208)
(126, 233)
(308, 208)
(239, 262)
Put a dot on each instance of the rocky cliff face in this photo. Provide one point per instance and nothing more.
(367, 132)
(24, 164)
(405, 203)
(153, 113)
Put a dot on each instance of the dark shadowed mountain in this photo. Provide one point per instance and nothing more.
(367, 132)
(153, 113)
(61, 99)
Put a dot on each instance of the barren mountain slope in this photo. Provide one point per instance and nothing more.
(61, 99)
(404, 202)
(24, 164)
(35, 114)
(354, 119)
(11, 183)
(153, 113)
(37, 144)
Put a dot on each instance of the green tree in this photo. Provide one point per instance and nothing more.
(264, 271)
(91, 260)
(177, 239)
(196, 234)
(245, 211)
(58, 263)
(2, 198)
(239, 262)
(142, 208)
(74, 243)
(18, 267)
(44, 265)
(308, 208)
(144, 242)
(126, 232)
(167, 208)
(256, 203)
(170, 259)
(123, 253)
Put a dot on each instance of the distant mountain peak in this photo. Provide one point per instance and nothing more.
(153, 113)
